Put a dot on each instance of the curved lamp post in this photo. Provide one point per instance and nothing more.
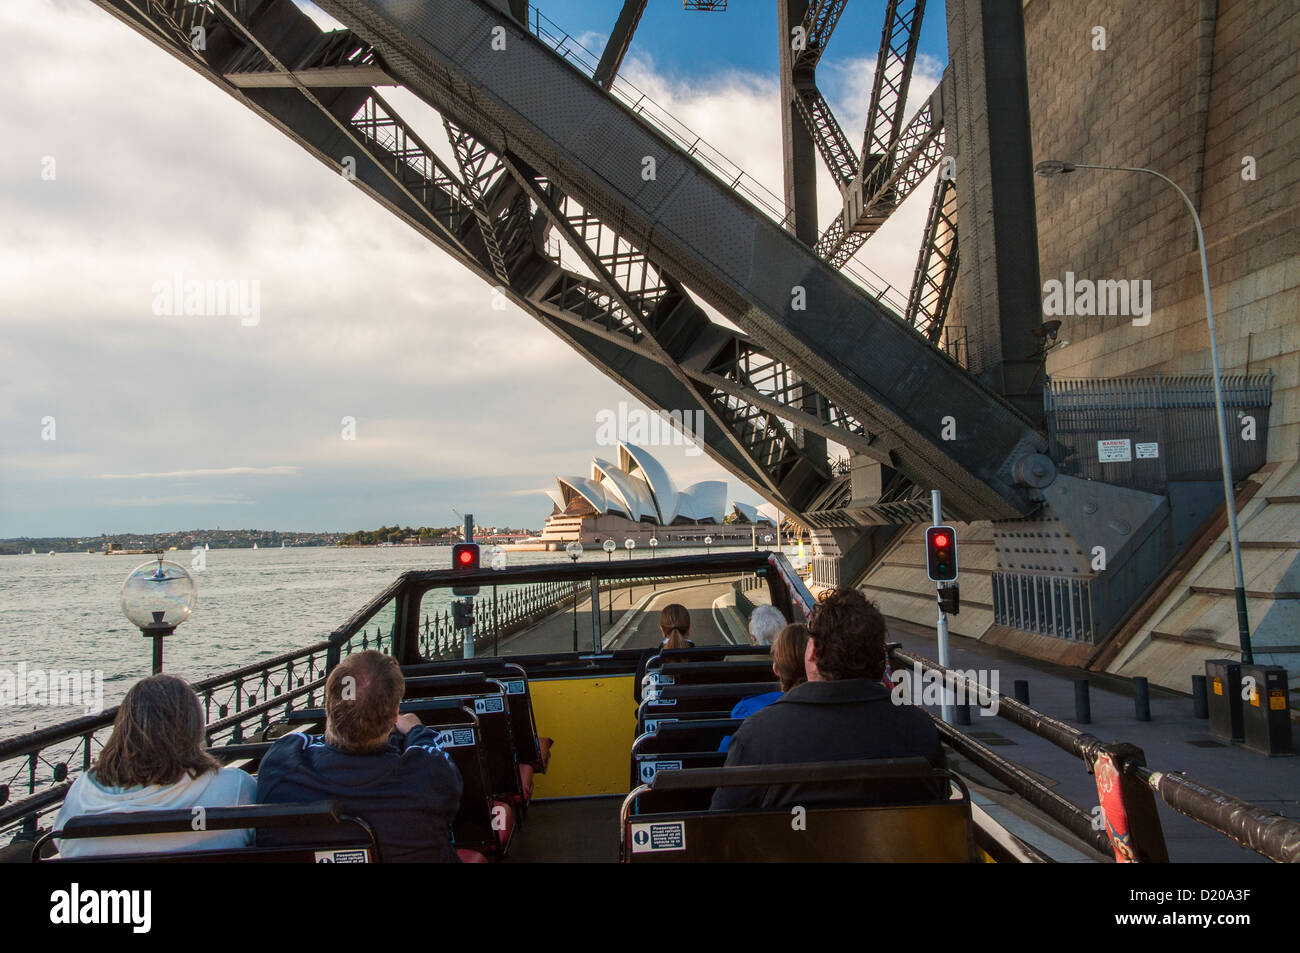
(156, 598)
(1052, 167)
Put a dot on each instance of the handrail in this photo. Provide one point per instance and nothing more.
(1255, 828)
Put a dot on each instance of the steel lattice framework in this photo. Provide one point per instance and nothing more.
(772, 398)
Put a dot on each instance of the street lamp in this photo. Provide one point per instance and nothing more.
(629, 544)
(654, 544)
(609, 546)
(1052, 167)
(574, 549)
(708, 551)
(156, 598)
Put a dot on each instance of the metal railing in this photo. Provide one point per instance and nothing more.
(1168, 422)
(1255, 828)
(38, 767)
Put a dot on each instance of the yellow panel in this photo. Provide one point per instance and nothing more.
(593, 723)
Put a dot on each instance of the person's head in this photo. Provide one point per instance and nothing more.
(157, 736)
(846, 638)
(787, 655)
(675, 624)
(764, 624)
(361, 698)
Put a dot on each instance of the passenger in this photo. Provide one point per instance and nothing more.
(384, 768)
(787, 666)
(155, 761)
(675, 624)
(764, 624)
(842, 713)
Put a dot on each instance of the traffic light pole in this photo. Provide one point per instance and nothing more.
(936, 505)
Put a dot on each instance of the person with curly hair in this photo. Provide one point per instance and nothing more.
(843, 712)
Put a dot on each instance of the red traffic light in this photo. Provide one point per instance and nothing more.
(464, 558)
(941, 553)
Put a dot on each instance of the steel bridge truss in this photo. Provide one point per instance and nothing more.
(495, 216)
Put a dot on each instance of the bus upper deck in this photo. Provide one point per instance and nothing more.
(612, 752)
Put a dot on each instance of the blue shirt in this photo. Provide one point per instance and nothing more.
(746, 707)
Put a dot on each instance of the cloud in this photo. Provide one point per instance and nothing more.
(222, 471)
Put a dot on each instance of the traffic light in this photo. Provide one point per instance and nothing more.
(464, 558)
(941, 553)
(950, 599)
(462, 614)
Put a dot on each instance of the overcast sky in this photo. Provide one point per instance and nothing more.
(173, 421)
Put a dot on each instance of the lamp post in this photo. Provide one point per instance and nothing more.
(654, 543)
(609, 546)
(156, 598)
(629, 544)
(574, 549)
(708, 551)
(1052, 167)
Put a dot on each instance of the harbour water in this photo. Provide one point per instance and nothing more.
(63, 612)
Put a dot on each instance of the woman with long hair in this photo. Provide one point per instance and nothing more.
(155, 761)
(675, 624)
(787, 665)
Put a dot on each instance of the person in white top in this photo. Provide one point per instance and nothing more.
(155, 761)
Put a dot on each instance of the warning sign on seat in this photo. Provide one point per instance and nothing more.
(666, 835)
(649, 768)
(515, 686)
(493, 703)
(455, 737)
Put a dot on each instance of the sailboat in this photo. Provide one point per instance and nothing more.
(205, 547)
(255, 545)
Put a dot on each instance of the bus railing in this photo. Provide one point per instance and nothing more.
(1130, 828)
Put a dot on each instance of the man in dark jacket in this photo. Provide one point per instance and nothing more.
(842, 713)
(384, 768)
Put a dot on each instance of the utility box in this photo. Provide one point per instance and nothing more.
(1223, 690)
(1265, 714)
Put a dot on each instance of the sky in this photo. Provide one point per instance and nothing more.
(378, 384)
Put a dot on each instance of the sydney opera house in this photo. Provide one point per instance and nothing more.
(637, 499)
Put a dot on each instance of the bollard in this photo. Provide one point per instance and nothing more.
(1142, 698)
(1082, 706)
(963, 714)
(1200, 701)
(1021, 688)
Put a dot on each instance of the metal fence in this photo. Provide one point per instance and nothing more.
(1144, 432)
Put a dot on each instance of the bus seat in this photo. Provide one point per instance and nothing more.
(353, 843)
(922, 831)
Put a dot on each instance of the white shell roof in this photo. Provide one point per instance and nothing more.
(632, 491)
(664, 491)
(704, 500)
(640, 487)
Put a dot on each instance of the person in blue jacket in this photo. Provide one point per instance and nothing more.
(787, 665)
(383, 767)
